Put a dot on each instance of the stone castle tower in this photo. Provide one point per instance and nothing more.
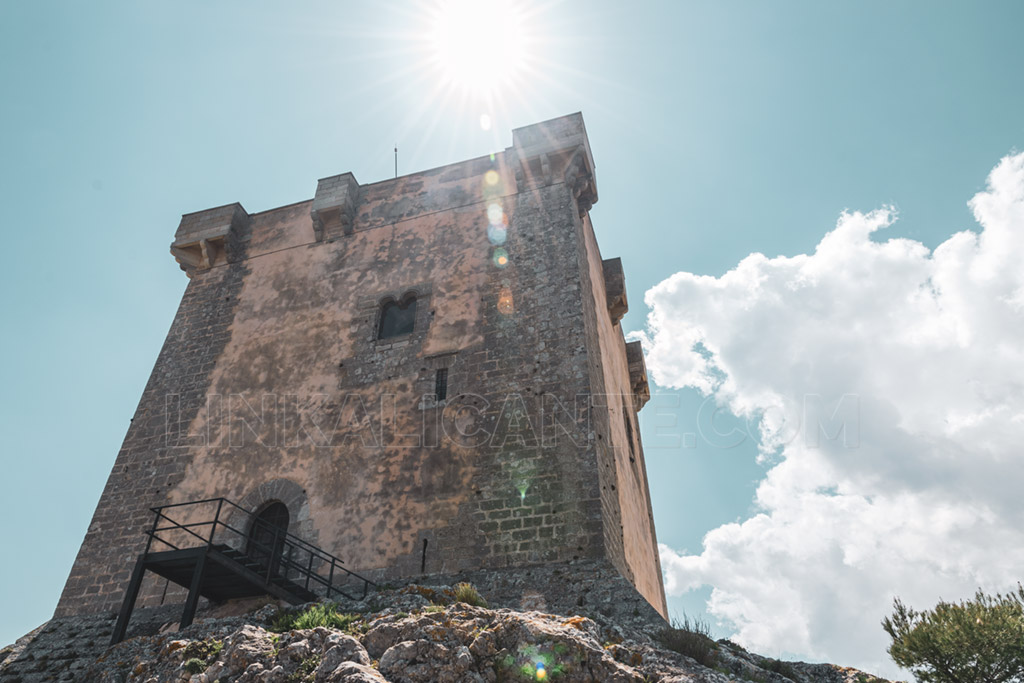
(422, 376)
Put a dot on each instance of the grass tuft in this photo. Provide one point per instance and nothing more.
(321, 614)
(692, 639)
(465, 592)
(779, 667)
(306, 671)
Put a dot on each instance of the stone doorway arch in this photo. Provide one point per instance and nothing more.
(265, 538)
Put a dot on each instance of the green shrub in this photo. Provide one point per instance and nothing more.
(195, 666)
(200, 654)
(321, 614)
(690, 638)
(465, 592)
(974, 641)
(206, 650)
(306, 670)
(779, 667)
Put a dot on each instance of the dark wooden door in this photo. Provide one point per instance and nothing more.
(267, 537)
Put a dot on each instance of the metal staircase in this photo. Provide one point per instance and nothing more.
(220, 551)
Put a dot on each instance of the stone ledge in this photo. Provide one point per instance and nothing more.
(615, 289)
(637, 374)
(334, 206)
(208, 238)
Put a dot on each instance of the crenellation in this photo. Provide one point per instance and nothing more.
(205, 239)
(615, 288)
(334, 206)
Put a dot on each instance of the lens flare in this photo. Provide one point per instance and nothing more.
(500, 257)
(485, 122)
(495, 214)
(491, 193)
(505, 304)
(542, 673)
(491, 177)
(497, 235)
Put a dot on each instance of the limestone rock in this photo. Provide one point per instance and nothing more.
(353, 672)
(340, 649)
(399, 637)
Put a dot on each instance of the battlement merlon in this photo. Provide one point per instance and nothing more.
(207, 238)
(557, 149)
(334, 206)
(637, 374)
(615, 288)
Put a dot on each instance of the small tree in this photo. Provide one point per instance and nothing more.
(974, 641)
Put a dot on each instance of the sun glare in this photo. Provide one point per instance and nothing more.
(479, 44)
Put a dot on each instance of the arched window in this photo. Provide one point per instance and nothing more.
(397, 318)
(267, 536)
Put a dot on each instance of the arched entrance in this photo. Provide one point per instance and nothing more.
(266, 541)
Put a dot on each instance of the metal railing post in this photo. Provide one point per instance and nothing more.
(152, 533)
(216, 519)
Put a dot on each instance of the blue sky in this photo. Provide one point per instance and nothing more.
(719, 129)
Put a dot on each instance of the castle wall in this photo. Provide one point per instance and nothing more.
(273, 385)
(628, 519)
(147, 469)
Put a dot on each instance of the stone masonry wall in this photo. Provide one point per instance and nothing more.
(629, 534)
(147, 469)
(272, 379)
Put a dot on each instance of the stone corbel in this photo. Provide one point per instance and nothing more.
(517, 171)
(637, 375)
(615, 289)
(579, 176)
(208, 238)
(334, 206)
(545, 168)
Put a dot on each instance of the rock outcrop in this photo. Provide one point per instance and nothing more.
(413, 635)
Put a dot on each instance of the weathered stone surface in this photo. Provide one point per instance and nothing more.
(615, 288)
(343, 648)
(334, 206)
(437, 643)
(205, 239)
(353, 672)
(274, 386)
(637, 373)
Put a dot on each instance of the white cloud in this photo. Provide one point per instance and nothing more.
(924, 498)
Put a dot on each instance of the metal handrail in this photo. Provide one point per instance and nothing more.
(221, 501)
(277, 557)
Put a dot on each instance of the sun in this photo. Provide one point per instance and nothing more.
(479, 45)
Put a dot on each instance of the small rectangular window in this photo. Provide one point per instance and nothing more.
(629, 435)
(441, 384)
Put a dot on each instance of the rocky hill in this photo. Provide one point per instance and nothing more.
(416, 634)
